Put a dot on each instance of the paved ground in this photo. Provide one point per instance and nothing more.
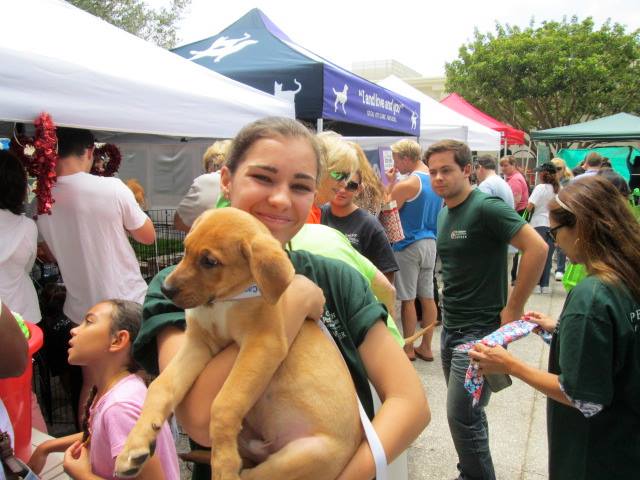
(517, 415)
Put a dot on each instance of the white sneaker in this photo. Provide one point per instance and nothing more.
(559, 276)
(546, 290)
(536, 289)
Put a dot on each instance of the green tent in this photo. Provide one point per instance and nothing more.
(618, 127)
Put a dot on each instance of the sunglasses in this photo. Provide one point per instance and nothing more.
(339, 176)
(553, 232)
(351, 186)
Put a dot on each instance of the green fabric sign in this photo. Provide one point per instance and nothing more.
(618, 156)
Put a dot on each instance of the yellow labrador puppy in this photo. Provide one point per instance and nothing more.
(299, 405)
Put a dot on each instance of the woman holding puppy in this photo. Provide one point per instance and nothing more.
(593, 382)
(272, 172)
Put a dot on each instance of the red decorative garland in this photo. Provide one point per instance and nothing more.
(43, 163)
(110, 154)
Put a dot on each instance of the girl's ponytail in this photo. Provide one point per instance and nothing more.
(86, 433)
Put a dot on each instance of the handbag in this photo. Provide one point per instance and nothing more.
(14, 468)
(390, 220)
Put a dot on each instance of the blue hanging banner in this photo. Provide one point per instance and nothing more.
(349, 98)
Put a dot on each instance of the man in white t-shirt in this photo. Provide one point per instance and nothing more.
(491, 183)
(87, 229)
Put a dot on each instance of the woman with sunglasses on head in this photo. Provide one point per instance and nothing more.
(364, 231)
(593, 382)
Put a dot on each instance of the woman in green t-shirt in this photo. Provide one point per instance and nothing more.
(271, 172)
(593, 380)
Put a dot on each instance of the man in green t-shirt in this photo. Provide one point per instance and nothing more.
(474, 231)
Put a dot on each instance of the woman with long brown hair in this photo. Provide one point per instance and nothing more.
(593, 381)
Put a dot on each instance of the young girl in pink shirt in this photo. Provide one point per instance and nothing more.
(102, 344)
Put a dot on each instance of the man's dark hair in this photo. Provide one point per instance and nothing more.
(460, 150)
(13, 183)
(73, 141)
(487, 161)
(616, 180)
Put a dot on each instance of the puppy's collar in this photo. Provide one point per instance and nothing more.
(251, 292)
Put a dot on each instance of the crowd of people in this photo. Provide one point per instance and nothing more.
(319, 197)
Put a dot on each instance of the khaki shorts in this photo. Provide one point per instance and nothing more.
(415, 277)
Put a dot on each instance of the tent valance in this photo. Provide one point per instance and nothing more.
(256, 52)
(87, 73)
(512, 135)
(438, 122)
(618, 127)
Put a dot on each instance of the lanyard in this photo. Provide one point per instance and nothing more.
(377, 450)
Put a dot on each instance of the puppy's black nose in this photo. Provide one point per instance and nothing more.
(168, 291)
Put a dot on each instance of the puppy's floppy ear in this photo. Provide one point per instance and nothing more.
(269, 264)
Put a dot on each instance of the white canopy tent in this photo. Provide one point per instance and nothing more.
(87, 73)
(163, 111)
(438, 122)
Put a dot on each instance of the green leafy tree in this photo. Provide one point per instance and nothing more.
(156, 25)
(548, 76)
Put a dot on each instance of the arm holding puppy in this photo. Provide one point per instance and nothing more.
(302, 299)
(405, 410)
(498, 360)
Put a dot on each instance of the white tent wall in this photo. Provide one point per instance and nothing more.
(87, 73)
(165, 170)
(435, 133)
(438, 122)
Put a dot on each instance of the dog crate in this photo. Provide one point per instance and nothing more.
(168, 248)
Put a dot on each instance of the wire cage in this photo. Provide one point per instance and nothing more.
(168, 248)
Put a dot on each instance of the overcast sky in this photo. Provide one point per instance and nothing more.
(422, 34)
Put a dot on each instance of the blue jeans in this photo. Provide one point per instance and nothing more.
(467, 424)
(544, 278)
(561, 258)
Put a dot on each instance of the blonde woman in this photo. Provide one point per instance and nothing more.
(214, 156)
(340, 163)
(563, 174)
(364, 231)
(205, 189)
(371, 196)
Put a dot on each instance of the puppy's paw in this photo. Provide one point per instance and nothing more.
(226, 467)
(131, 460)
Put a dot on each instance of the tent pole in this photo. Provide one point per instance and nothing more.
(319, 125)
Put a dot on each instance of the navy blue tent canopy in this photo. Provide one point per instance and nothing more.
(254, 51)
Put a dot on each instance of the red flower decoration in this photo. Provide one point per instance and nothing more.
(110, 155)
(43, 162)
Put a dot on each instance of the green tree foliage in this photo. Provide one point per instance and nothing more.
(158, 26)
(548, 76)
